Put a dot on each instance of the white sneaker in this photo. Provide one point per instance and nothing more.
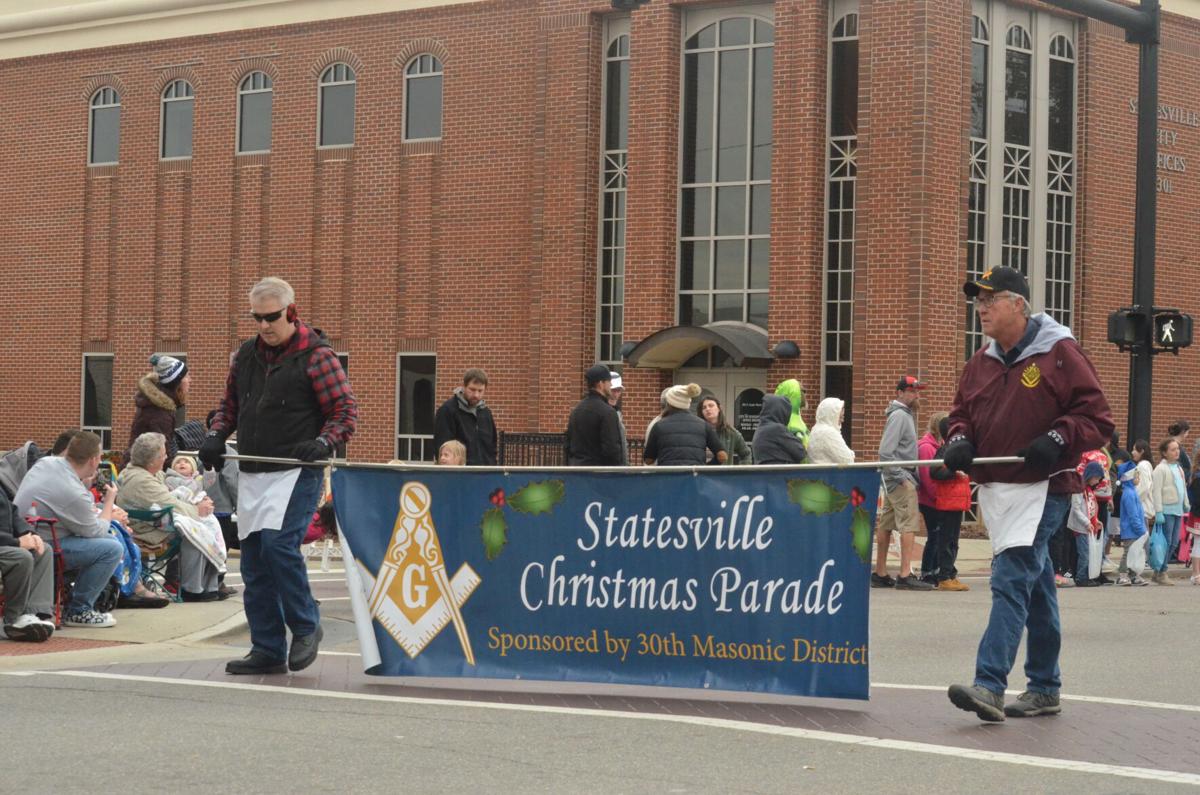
(89, 619)
(29, 628)
(1124, 580)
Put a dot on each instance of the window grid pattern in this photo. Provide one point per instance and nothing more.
(423, 98)
(336, 106)
(255, 95)
(613, 192)
(977, 196)
(177, 106)
(416, 380)
(1017, 171)
(839, 223)
(725, 193)
(1060, 189)
(105, 130)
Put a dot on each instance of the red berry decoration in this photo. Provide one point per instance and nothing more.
(497, 497)
(856, 497)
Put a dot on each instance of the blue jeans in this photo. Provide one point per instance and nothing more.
(1171, 525)
(1084, 553)
(275, 576)
(1024, 597)
(95, 559)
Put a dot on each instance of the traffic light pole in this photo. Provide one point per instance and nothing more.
(1141, 26)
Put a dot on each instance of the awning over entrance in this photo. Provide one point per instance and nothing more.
(669, 348)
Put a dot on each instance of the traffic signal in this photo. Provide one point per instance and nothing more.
(1172, 329)
(1125, 327)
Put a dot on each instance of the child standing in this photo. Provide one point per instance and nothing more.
(1084, 522)
(1134, 535)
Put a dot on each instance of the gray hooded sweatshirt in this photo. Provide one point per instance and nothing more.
(899, 443)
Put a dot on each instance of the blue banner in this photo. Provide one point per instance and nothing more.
(735, 579)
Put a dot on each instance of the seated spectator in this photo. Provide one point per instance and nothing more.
(773, 442)
(27, 571)
(452, 453)
(143, 487)
(681, 438)
(56, 487)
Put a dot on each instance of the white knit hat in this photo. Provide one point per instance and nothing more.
(680, 396)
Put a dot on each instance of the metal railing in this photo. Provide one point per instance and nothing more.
(545, 449)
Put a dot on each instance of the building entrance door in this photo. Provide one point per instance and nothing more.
(740, 392)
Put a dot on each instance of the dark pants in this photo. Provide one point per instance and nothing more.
(1062, 551)
(941, 545)
(275, 577)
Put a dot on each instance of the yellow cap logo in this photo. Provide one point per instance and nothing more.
(1031, 376)
(412, 597)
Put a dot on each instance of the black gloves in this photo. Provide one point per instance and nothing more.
(958, 454)
(1044, 451)
(212, 451)
(313, 450)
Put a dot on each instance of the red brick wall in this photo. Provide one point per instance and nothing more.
(482, 248)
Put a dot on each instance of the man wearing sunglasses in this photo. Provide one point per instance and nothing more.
(287, 396)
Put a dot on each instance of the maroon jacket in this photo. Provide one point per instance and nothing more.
(1001, 408)
(154, 410)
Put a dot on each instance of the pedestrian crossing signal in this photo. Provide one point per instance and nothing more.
(1172, 330)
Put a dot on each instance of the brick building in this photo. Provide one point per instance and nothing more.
(731, 193)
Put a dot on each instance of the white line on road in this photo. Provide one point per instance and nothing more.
(716, 723)
(1120, 702)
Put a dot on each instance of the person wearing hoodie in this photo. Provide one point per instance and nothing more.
(942, 496)
(1133, 527)
(773, 442)
(899, 511)
(1085, 522)
(826, 445)
(794, 392)
(160, 394)
(467, 418)
(1030, 393)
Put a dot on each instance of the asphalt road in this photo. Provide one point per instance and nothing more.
(99, 734)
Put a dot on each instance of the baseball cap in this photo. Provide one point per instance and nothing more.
(597, 373)
(908, 382)
(999, 280)
(616, 380)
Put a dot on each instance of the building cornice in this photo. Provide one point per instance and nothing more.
(72, 25)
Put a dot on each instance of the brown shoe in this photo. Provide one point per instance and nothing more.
(1164, 579)
(953, 585)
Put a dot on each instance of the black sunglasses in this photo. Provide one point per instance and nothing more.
(269, 317)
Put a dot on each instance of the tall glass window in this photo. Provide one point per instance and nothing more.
(977, 190)
(177, 103)
(1060, 182)
(725, 197)
(612, 197)
(1018, 171)
(335, 111)
(416, 382)
(841, 175)
(255, 95)
(104, 139)
(423, 98)
(96, 397)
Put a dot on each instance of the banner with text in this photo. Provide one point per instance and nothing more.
(734, 579)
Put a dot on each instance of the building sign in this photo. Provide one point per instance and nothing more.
(734, 578)
(1171, 164)
(748, 407)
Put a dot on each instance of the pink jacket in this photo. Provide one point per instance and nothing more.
(927, 448)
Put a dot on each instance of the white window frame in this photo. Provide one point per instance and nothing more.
(411, 437)
(92, 108)
(162, 117)
(439, 72)
(320, 100)
(614, 28)
(96, 429)
(237, 130)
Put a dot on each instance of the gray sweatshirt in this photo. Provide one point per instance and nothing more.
(899, 443)
(61, 495)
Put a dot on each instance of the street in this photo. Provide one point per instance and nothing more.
(167, 711)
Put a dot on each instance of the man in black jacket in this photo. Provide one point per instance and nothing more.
(594, 432)
(467, 418)
(27, 571)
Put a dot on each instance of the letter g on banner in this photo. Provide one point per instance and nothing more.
(414, 595)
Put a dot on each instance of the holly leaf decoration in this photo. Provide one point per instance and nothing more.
(494, 531)
(860, 530)
(539, 497)
(816, 496)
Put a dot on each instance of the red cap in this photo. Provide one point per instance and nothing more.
(908, 382)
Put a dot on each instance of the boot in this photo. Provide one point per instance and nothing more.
(1163, 579)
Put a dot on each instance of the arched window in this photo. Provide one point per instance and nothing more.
(977, 191)
(104, 121)
(335, 106)
(1018, 165)
(842, 180)
(255, 94)
(1060, 180)
(423, 98)
(177, 102)
(725, 195)
(614, 168)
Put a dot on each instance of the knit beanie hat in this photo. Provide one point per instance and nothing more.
(168, 369)
(680, 396)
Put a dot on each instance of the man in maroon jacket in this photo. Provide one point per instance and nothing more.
(1030, 392)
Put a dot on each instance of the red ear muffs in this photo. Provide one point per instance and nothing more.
(291, 313)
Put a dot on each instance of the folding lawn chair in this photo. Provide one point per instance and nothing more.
(157, 559)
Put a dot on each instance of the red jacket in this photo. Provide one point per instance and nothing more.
(1001, 408)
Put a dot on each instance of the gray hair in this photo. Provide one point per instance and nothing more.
(146, 448)
(273, 287)
(1025, 308)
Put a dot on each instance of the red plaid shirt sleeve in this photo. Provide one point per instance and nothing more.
(332, 388)
(226, 418)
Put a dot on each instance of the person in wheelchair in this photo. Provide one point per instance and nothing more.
(202, 552)
(56, 487)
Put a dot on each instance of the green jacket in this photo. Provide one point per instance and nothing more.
(735, 445)
(792, 390)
